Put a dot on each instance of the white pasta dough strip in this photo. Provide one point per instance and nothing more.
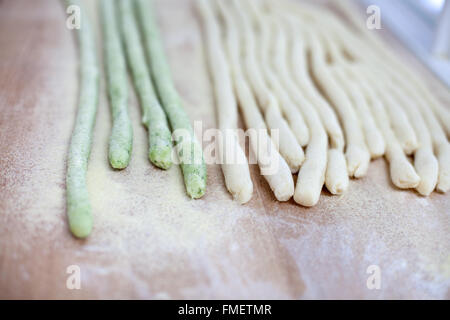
(357, 154)
(405, 178)
(374, 138)
(289, 148)
(387, 56)
(265, 51)
(281, 181)
(402, 172)
(440, 111)
(234, 163)
(312, 173)
(425, 163)
(440, 143)
(336, 177)
(304, 82)
(402, 127)
(403, 77)
(400, 122)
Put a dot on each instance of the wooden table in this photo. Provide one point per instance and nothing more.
(149, 239)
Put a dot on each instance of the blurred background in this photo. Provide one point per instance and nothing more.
(423, 26)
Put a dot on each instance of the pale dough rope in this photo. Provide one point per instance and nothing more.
(440, 111)
(357, 154)
(289, 148)
(349, 41)
(402, 172)
(405, 79)
(234, 163)
(425, 163)
(312, 173)
(281, 182)
(264, 51)
(336, 177)
(374, 138)
(440, 143)
(300, 72)
(402, 127)
(414, 81)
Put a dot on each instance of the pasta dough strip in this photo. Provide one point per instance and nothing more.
(402, 172)
(153, 116)
(288, 145)
(306, 85)
(188, 148)
(425, 163)
(374, 138)
(79, 209)
(336, 177)
(357, 155)
(442, 113)
(402, 127)
(121, 137)
(352, 44)
(265, 50)
(234, 163)
(440, 143)
(400, 121)
(312, 173)
(281, 181)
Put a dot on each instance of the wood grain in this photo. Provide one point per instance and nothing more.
(149, 239)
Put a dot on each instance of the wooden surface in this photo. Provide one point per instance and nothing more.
(149, 240)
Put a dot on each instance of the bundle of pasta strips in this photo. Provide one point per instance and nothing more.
(334, 93)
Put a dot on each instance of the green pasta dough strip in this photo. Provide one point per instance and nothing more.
(154, 118)
(189, 150)
(121, 138)
(78, 204)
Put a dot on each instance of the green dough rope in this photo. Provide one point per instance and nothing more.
(154, 118)
(121, 139)
(78, 204)
(188, 148)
